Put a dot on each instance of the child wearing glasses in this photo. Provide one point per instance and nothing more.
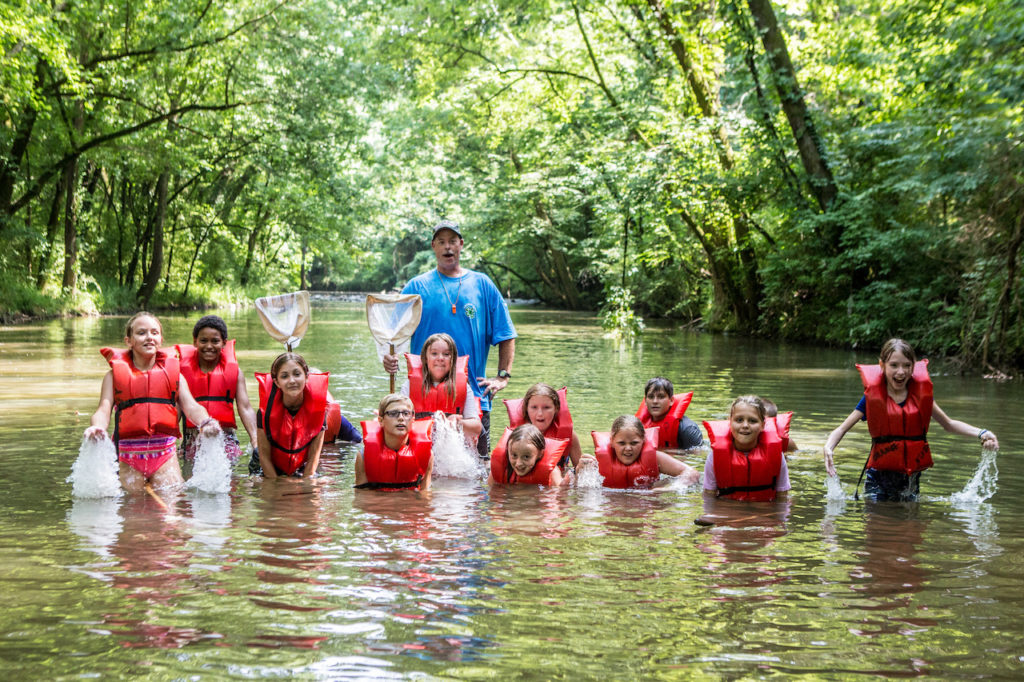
(396, 448)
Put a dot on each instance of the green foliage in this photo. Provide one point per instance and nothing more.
(618, 317)
(324, 139)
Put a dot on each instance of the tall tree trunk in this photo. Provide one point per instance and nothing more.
(52, 220)
(70, 225)
(793, 104)
(10, 165)
(152, 277)
(703, 92)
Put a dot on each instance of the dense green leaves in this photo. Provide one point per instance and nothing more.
(643, 157)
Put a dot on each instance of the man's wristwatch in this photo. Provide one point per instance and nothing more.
(503, 374)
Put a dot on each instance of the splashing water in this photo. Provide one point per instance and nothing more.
(589, 478)
(94, 473)
(212, 470)
(983, 484)
(452, 458)
(835, 498)
(834, 489)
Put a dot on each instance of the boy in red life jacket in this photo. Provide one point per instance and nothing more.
(666, 411)
(292, 417)
(396, 448)
(898, 407)
(524, 456)
(746, 461)
(627, 457)
(211, 369)
(145, 386)
(782, 422)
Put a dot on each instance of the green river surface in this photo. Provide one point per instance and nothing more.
(309, 578)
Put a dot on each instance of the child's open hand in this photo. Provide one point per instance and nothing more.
(96, 433)
(586, 462)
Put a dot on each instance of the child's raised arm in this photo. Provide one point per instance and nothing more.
(194, 411)
(100, 419)
(987, 438)
(836, 436)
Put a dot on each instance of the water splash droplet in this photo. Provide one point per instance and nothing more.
(983, 484)
(452, 457)
(94, 473)
(212, 470)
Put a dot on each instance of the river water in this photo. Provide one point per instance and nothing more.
(316, 580)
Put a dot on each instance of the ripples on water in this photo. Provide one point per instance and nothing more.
(314, 579)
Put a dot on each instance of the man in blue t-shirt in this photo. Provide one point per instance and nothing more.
(467, 306)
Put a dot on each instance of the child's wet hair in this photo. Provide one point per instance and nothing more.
(752, 401)
(214, 322)
(390, 399)
(770, 408)
(526, 433)
(627, 421)
(542, 390)
(136, 316)
(659, 384)
(281, 359)
(893, 345)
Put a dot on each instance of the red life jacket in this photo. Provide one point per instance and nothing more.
(333, 427)
(214, 390)
(561, 426)
(146, 402)
(290, 436)
(782, 421)
(437, 398)
(388, 469)
(502, 472)
(668, 426)
(746, 475)
(898, 432)
(640, 474)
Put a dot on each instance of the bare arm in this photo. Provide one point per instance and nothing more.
(360, 470)
(246, 412)
(263, 446)
(194, 411)
(313, 454)
(988, 439)
(670, 466)
(506, 354)
(100, 419)
(575, 449)
(556, 479)
(425, 483)
(836, 436)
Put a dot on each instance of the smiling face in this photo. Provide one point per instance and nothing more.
(447, 248)
(898, 369)
(746, 425)
(541, 412)
(523, 456)
(439, 361)
(146, 336)
(658, 402)
(290, 379)
(627, 444)
(209, 343)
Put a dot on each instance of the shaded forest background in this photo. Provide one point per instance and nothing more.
(828, 171)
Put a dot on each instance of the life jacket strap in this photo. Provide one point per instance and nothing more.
(747, 488)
